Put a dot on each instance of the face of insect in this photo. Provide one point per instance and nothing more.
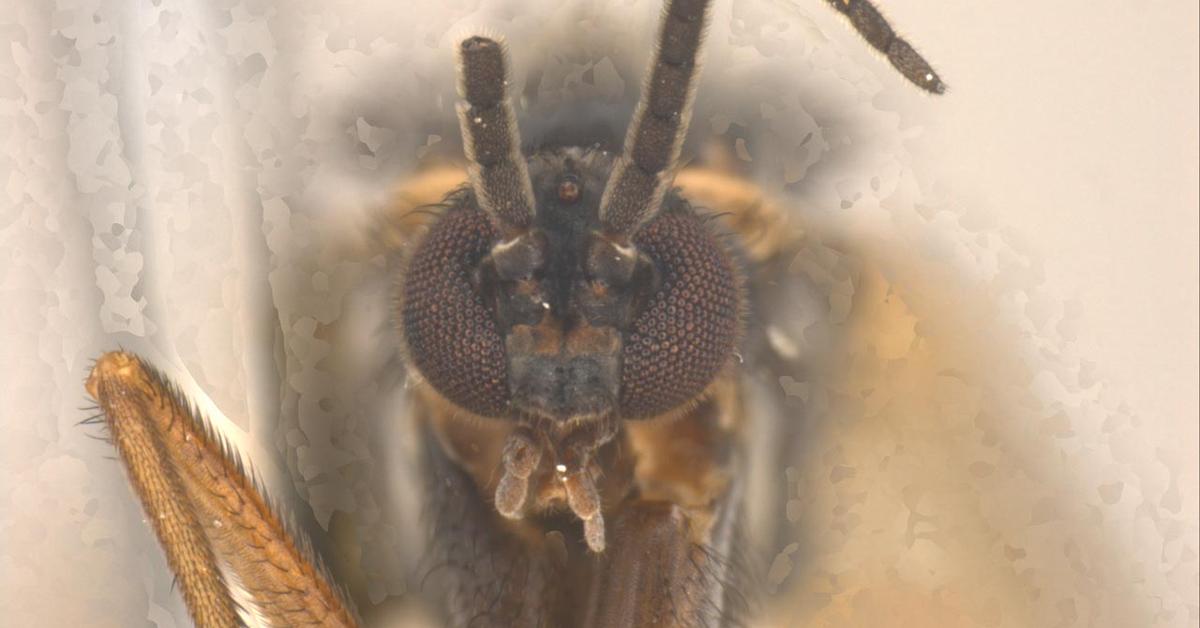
(571, 289)
(564, 322)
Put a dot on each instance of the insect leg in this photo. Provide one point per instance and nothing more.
(161, 489)
(204, 507)
(874, 28)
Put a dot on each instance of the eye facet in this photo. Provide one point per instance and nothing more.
(686, 333)
(451, 334)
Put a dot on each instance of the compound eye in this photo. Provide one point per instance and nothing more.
(450, 332)
(686, 333)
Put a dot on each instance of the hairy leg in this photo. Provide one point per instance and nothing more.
(205, 509)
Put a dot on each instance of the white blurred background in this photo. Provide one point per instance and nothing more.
(182, 178)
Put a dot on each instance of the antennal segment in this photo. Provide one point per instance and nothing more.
(491, 139)
(645, 170)
(874, 28)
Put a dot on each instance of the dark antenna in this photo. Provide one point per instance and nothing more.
(645, 170)
(874, 28)
(491, 139)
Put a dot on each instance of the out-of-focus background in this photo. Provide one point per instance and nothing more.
(1008, 436)
(1076, 125)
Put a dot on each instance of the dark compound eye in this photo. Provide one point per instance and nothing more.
(686, 334)
(569, 189)
(681, 336)
(450, 333)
